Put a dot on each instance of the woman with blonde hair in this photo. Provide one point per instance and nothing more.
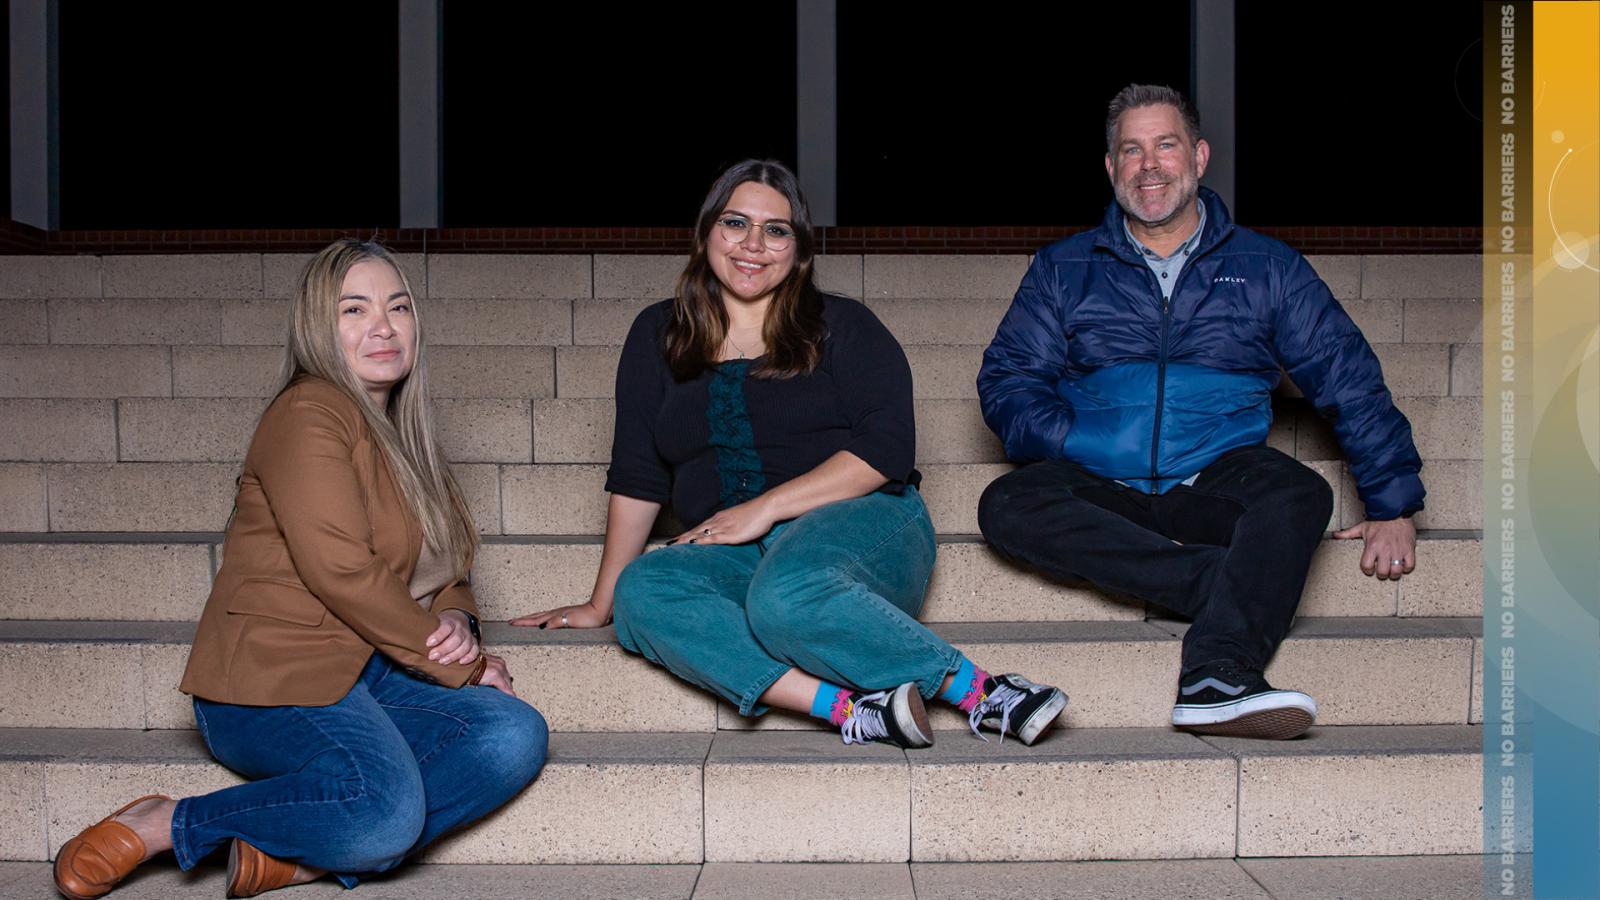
(338, 661)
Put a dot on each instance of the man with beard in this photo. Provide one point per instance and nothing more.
(1132, 376)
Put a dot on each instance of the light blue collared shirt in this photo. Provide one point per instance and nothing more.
(1167, 268)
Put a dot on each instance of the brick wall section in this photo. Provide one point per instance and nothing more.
(973, 240)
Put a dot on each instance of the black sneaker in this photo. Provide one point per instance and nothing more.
(1229, 700)
(1016, 706)
(895, 717)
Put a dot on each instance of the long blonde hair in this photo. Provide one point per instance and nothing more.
(404, 431)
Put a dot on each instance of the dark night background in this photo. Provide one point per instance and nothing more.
(584, 115)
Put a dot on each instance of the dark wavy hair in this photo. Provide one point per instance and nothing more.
(793, 330)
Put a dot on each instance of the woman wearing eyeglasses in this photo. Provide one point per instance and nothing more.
(778, 420)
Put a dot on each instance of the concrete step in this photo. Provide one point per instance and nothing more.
(690, 798)
(643, 276)
(497, 430)
(1362, 671)
(182, 365)
(98, 577)
(1335, 878)
(546, 498)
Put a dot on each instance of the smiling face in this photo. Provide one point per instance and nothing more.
(376, 329)
(748, 270)
(1154, 167)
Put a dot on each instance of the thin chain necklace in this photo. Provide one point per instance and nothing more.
(735, 344)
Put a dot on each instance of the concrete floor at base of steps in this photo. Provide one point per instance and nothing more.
(1324, 878)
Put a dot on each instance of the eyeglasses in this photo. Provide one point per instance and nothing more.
(775, 236)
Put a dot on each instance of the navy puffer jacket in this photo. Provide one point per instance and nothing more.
(1089, 363)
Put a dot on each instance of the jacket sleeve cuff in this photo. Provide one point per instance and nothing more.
(1399, 496)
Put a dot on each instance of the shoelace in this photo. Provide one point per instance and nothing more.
(1003, 698)
(866, 721)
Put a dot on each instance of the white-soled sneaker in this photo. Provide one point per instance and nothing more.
(1231, 701)
(1016, 706)
(896, 717)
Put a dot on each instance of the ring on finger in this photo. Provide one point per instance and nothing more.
(564, 619)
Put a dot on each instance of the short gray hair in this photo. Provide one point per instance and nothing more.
(1136, 95)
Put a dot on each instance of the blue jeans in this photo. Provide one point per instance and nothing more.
(834, 593)
(357, 786)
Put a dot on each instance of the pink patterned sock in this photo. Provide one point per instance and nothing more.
(843, 703)
(974, 693)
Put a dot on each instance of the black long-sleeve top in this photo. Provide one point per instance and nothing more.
(722, 437)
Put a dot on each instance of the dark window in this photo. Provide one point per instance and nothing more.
(990, 114)
(590, 114)
(1359, 115)
(5, 139)
(197, 115)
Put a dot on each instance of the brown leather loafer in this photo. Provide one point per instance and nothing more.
(251, 872)
(101, 855)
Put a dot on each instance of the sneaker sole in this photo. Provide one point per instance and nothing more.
(1276, 715)
(1042, 717)
(914, 723)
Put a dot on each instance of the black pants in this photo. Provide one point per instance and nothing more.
(1231, 552)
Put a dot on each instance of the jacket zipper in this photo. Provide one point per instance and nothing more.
(1161, 378)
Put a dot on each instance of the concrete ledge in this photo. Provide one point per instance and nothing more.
(554, 499)
(29, 277)
(944, 372)
(280, 272)
(182, 275)
(226, 371)
(1108, 793)
(497, 275)
(485, 431)
(89, 372)
(187, 430)
(932, 275)
(1378, 878)
(642, 277)
(141, 496)
(1458, 321)
(601, 798)
(513, 322)
(135, 321)
(492, 373)
(604, 323)
(756, 781)
(1408, 275)
(586, 372)
(804, 881)
(640, 794)
(840, 274)
(1341, 273)
(941, 321)
(159, 582)
(1189, 879)
(1466, 370)
(260, 322)
(23, 497)
(1361, 791)
(1385, 671)
(58, 430)
(1415, 370)
(25, 321)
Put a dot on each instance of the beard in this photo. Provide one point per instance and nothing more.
(1183, 187)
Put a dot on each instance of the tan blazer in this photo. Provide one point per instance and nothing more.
(315, 566)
